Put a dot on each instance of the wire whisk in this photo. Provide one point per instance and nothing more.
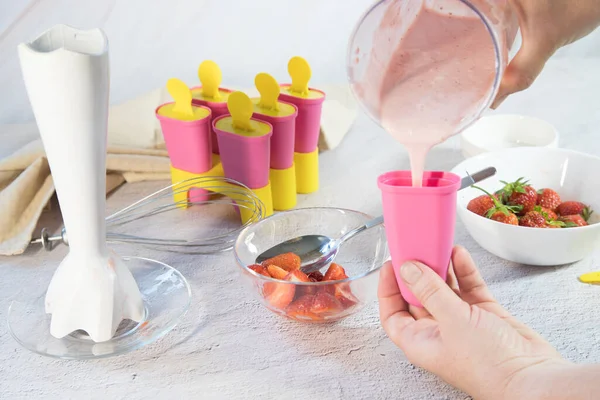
(190, 215)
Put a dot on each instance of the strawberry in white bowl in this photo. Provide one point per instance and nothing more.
(540, 198)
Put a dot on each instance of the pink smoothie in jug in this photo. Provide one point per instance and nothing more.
(432, 70)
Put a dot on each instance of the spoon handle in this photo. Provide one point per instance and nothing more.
(476, 177)
(367, 225)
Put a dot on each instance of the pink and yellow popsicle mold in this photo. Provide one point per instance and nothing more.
(211, 95)
(186, 129)
(245, 147)
(309, 103)
(268, 143)
(282, 117)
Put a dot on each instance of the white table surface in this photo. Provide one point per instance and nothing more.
(228, 347)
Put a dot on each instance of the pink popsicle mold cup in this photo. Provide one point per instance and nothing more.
(419, 221)
(308, 121)
(188, 143)
(217, 108)
(283, 138)
(245, 159)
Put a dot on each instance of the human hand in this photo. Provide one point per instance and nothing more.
(462, 334)
(546, 26)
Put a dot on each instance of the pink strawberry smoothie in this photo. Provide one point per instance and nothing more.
(440, 74)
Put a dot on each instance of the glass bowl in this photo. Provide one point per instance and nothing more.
(315, 302)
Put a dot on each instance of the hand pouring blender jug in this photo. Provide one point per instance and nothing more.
(425, 70)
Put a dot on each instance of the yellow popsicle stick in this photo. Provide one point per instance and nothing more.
(269, 91)
(210, 76)
(183, 97)
(592, 278)
(241, 109)
(300, 73)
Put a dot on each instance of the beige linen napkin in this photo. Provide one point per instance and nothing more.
(135, 153)
(26, 186)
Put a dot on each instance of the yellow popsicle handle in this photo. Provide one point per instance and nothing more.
(592, 278)
(210, 76)
(241, 109)
(300, 73)
(182, 95)
(269, 91)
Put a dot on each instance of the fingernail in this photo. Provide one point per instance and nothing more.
(498, 101)
(410, 272)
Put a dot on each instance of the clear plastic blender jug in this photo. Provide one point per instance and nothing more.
(423, 28)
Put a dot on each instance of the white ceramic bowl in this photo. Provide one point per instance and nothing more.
(498, 132)
(570, 173)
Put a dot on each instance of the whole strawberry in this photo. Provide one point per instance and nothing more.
(508, 218)
(533, 219)
(574, 208)
(547, 213)
(500, 212)
(548, 198)
(481, 205)
(519, 193)
(572, 221)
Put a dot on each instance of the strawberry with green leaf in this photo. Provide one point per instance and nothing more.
(500, 212)
(573, 221)
(548, 198)
(519, 193)
(480, 205)
(533, 219)
(541, 217)
(547, 213)
(574, 208)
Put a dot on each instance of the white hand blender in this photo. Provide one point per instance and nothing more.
(66, 73)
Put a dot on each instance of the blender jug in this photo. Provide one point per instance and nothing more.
(431, 35)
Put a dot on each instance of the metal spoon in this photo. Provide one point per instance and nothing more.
(318, 251)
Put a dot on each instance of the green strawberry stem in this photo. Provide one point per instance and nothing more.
(498, 206)
(516, 186)
(587, 213)
(550, 221)
(560, 224)
(544, 213)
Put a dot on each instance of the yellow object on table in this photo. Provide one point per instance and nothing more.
(591, 278)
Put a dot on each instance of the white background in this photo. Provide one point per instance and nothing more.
(153, 40)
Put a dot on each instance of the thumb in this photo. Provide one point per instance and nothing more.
(522, 71)
(435, 295)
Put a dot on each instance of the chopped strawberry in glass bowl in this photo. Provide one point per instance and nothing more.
(340, 289)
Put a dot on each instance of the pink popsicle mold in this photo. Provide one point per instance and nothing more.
(419, 221)
(308, 121)
(245, 158)
(218, 108)
(188, 143)
(283, 138)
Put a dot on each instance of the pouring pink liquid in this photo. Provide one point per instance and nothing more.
(432, 70)
(425, 70)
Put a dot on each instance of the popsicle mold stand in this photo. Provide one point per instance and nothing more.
(268, 143)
